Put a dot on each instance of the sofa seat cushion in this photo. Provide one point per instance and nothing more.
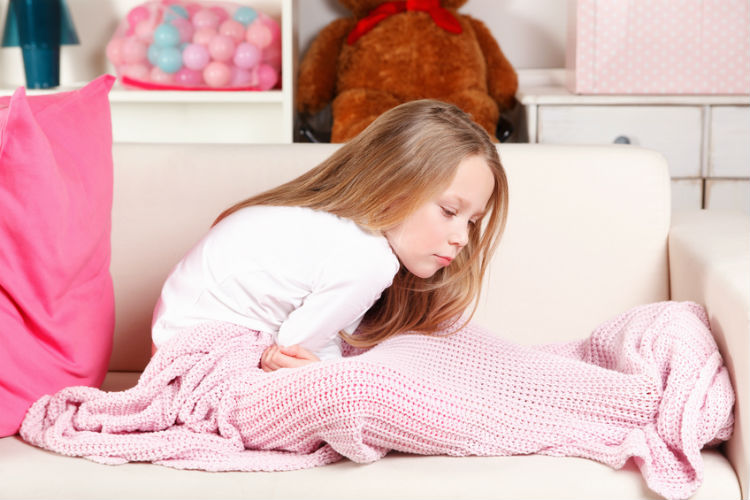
(397, 475)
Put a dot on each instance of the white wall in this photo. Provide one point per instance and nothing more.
(530, 32)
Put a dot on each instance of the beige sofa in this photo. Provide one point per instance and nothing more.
(589, 235)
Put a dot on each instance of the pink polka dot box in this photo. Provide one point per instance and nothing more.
(184, 45)
(659, 47)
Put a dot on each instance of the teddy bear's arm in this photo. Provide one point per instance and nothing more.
(502, 81)
(316, 81)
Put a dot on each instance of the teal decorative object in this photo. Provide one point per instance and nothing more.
(39, 27)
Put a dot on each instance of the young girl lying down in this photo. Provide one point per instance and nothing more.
(390, 234)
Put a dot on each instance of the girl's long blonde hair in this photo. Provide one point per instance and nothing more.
(406, 157)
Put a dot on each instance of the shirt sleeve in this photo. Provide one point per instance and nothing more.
(345, 291)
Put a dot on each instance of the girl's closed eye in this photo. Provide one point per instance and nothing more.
(448, 212)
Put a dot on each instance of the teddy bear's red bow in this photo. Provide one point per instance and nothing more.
(440, 15)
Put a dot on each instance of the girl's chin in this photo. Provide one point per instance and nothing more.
(424, 273)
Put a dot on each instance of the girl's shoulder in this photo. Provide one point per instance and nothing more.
(313, 228)
(298, 220)
(323, 246)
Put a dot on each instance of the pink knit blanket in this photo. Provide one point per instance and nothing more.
(648, 384)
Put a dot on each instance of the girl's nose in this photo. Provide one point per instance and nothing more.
(460, 236)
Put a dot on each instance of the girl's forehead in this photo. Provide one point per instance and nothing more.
(472, 184)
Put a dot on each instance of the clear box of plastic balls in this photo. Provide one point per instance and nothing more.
(187, 45)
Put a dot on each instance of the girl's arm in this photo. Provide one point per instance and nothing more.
(336, 303)
(347, 288)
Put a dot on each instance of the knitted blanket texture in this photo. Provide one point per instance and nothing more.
(648, 384)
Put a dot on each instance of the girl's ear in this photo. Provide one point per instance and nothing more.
(398, 209)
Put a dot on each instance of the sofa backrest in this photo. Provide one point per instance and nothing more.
(586, 236)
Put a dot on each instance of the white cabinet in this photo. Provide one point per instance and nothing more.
(727, 193)
(705, 139)
(687, 193)
(729, 142)
(675, 131)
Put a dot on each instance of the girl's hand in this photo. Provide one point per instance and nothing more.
(293, 356)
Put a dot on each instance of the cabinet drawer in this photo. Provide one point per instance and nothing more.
(687, 194)
(674, 131)
(728, 193)
(729, 151)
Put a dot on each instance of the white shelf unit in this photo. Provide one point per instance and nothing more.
(208, 116)
(201, 117)
(705, 138)
(214, 116)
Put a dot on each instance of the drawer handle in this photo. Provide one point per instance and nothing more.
(622, 139)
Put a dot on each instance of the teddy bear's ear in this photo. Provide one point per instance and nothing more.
(360, 8)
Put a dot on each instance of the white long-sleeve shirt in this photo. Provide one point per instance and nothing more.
(299, 274)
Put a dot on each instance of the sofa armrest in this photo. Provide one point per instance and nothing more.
(709, 263)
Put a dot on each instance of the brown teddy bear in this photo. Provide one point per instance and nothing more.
(393, 52)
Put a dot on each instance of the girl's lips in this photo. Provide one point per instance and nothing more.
(444, 260)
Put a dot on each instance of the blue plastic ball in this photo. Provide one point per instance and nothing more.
(173, 11)
(169, 59)
(166, 35)
(153, 54)
(245, 15)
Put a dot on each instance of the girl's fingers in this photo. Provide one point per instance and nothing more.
(290, 350)
(294, 356)
(297, 351)
(267, 359)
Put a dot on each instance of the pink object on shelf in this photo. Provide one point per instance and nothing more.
(658, 47)
(217, 74)
(180, 45)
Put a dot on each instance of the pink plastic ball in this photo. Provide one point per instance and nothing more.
(204, 36)
(246, 56)
(114, 51)
(185, 28)
(162, 77)
(144, 30)
(195, 56)
(188, 77)
(267, 76)
(133, 51)
(137, 14)
(192, 8)
(242, 77)
(221, 48)
(233, 29)
(265, 30)
(272, 56)
(221, 14)
(205, 18)
(260, 34)
(217, 74)
(136, 71)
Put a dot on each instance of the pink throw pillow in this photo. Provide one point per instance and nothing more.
(56, 298)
